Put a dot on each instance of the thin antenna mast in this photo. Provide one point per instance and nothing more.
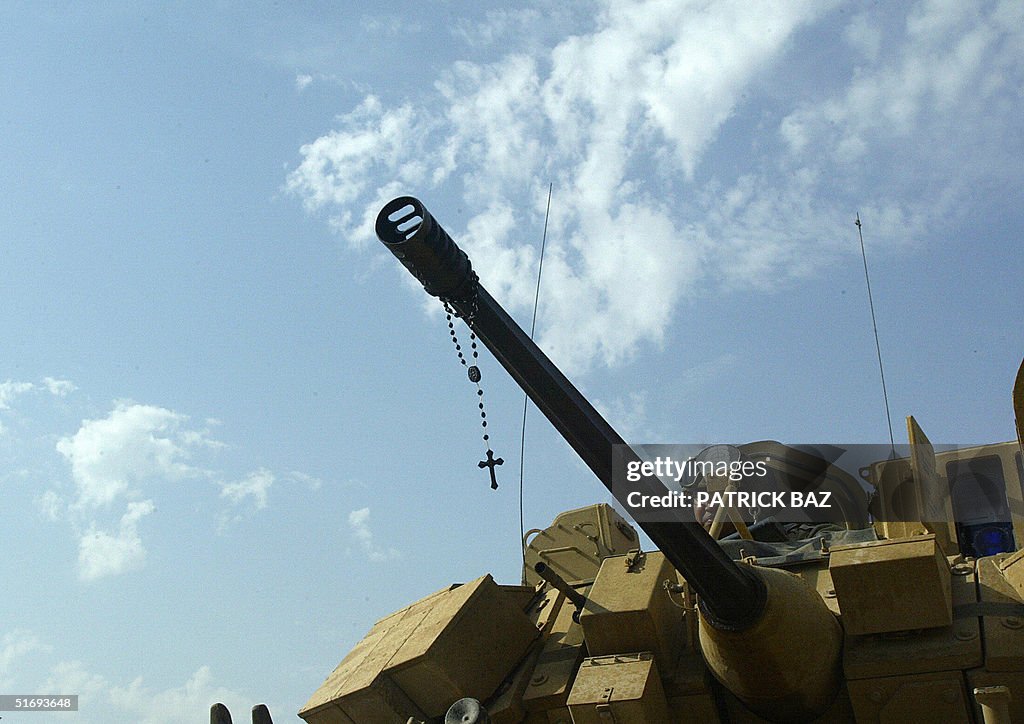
(874, 326)
(526, 399)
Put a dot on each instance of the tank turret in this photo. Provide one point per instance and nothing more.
(911, 614)
(746, 614)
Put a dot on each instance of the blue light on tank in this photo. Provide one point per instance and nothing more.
(990, 540)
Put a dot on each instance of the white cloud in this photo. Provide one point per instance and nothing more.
(494, 112)
(72, 677)
(311, 482)
(650, 74)
(15, 645)
(186, 704)
(136, 702)
(336, 168)
(255, 488)
(631, 117)
(59, 388)
(134, 443)
(302, 81)
(359, 523)
(129, 458)
(389, 25)
(942, 80)
(255, 485)
(102, 554)
(498, 25)
(113, 459)
(51, 505)
(628, 415)
(11, 389)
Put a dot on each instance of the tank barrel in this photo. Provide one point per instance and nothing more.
(731, 597)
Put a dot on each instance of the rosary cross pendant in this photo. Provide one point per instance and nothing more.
(490, 462)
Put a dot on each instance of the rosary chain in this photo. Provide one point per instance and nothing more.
(473, 372)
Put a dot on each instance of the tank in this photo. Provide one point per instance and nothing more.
(907, 607)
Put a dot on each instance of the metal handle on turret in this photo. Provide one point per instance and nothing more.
(556, 581)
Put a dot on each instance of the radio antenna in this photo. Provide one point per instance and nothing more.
(526, 398)
(874, 326)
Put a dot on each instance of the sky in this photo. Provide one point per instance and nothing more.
(234, 432)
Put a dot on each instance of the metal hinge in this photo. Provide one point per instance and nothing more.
(604, 707)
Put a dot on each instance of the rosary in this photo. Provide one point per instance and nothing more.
(474, 376)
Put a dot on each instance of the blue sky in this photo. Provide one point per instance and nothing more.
(233, 434)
